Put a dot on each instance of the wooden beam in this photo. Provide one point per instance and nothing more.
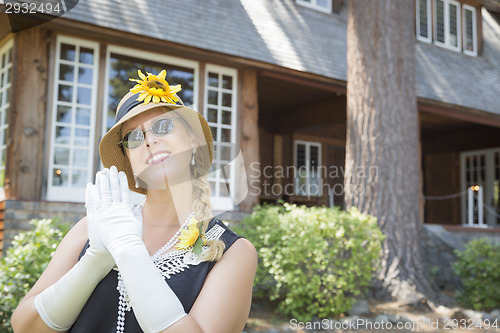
(493, 5)
(321, 83)
(26, 115)
(249, 133)
(277, 156)
(325, 112)
(480, 137)
(457, 112)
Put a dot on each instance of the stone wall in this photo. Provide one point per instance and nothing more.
(18, 213)
(438, 246)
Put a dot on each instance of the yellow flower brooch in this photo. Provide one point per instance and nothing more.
(154, 88)
(193, 235)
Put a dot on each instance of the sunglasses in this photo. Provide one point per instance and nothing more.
(135, 138)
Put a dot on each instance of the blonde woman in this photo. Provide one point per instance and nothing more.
(162, 266)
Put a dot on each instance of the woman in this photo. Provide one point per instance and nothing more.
(162, 266)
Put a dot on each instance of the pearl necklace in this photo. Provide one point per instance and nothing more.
(123, 301)
(172, 240)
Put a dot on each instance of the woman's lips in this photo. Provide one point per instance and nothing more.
(158, 158)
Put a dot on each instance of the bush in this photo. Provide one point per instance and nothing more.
(315, 260)
(24, 262)
(478, 268)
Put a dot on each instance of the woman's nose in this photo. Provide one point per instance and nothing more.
(149, 137)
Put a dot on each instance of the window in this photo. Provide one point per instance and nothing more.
(447, 18)
(481, 168)
(73, 119)
(424, 21)
(5, 79)
(220, 112)
(321, 5)
(123, 64)
(72, 156)
(308, 180)
(452, 24)
(469, 30)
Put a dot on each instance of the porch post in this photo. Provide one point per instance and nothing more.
(26, 118)
(249, 137)
(421, 170)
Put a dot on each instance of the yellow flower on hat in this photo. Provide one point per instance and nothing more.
(154, 88)
(190, 236)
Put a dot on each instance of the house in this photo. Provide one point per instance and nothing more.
(269, 76)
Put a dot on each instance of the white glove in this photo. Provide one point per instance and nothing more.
(60, 304)
(96, 245)
(155, 305)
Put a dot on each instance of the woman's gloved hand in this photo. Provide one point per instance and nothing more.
(60, 304)
(155, 305)
(116, 225)
(96, 248)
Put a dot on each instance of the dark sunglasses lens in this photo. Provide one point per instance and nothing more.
(133, 139)
(162, 126)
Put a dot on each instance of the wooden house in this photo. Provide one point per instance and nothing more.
(269, 76)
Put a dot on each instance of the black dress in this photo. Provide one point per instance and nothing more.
(101, 310)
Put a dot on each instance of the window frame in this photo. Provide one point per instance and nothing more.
(150, 56)
(6, 48)
(489, 178)
(220, 202)
(446, 14)
(71, 193)
(466, 7)
(427, 39)
(314, 5)
(462, 8)
(308, 145)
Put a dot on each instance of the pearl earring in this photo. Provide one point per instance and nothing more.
(136, 181)
(192, 158)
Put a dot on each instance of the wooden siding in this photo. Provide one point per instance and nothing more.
(25, 151)
(442, 177)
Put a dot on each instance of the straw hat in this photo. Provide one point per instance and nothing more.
(129, 107)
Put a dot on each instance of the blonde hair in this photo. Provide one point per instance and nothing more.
(201, 203)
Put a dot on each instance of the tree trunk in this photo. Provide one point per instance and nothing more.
(382, 150)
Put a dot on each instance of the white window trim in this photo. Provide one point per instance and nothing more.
(4, 49)
(429, 21)
(446, 14)
(150, 56)
(72, 194)
(157, 57)
(308, 145)
(474, 29)
(489, 175)
(223, 203)
(314, 5)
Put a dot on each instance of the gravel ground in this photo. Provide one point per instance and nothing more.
(264, 319)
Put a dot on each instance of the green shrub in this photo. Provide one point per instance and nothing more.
(315, 260)
(24, 262)
(478, 268)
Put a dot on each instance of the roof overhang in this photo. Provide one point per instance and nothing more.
(493, 5)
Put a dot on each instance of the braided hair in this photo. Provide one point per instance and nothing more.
(201, 203)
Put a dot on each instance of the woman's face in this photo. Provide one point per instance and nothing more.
(160, 161)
